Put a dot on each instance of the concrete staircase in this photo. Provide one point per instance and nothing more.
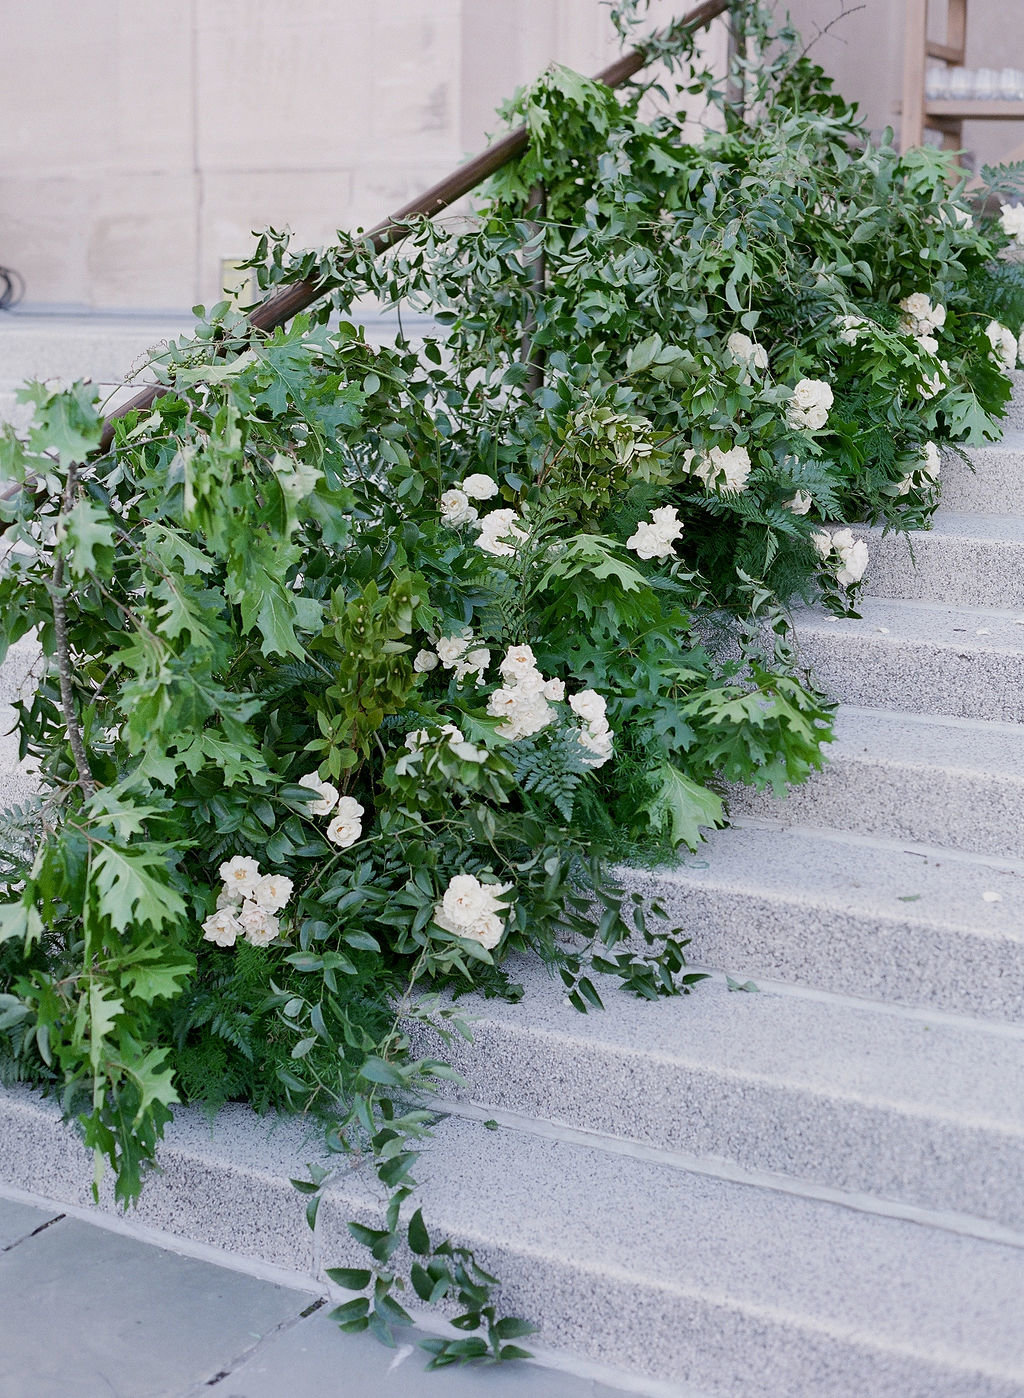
(815, 1189)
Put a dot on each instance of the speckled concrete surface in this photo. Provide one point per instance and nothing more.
(919, 656)
(800, 906)
(913, 777)
(650, 1263)
(972, 560)
(16, 671)
(995, 483)
(837, 1092)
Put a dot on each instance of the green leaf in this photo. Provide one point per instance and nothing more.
(679, 806)
(351, 1278)
(132, 888)
(419, 1238)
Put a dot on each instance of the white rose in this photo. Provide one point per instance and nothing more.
(1020, 347)
(648, 543)
(588, 705)
(1004, 344)
(417, 740)
(449, 648)
(523, 710)
(800, 503)
(554, 690)
(496, 529)
(850, 328)
(479, 487)
(272, 892)
(929, 344)
(917, 306)
(474, 662)
(346, 827)
(822, 541)
(746, 352)
(241, 874)
(228, 898)
(932, 461)
(518, 661)
(473, 909)
(425, 660)
(456, 509)
(842, 539)
(260, 927)
(597, 741)
(853, 561)
(222, 928)
(327, 793)
(1011, 221)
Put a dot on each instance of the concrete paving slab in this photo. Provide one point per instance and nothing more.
(314, 1360)
(18, 1221)
(89, 1313)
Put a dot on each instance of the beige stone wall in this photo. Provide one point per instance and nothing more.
(142, 140)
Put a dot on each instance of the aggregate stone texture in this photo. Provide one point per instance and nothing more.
(914, 777)
(805, 907)
(709, 1282)
(838, 1093)
(21, 661)
(969, 560)
(89, 1313)
(305, 1362)
(919, 656)
(990, 481)
(224, 1183)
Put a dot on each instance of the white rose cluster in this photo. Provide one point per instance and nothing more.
(523, 700)
(920, 318)
(809, 406)
(500, 532)
(247, 904)
(850, 329)
(1011, 221)
(1004, 344)
(849, 556)
(525, 704)
(655, 538)
(456, 653)
(924, 475)
(346, 825)
(456, 509)
(726, 470)
(474, 910)
(594, 734)
(747, 353)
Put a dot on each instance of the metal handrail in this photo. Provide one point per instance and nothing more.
(281, 305)
(287, 301)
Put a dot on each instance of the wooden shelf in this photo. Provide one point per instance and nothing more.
(980, 109)
(946, 52)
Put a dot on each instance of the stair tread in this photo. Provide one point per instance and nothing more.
(959, 524)
(923, 623)
(888, 737)
(799, 1263)
(831, 1046)
(875, 878)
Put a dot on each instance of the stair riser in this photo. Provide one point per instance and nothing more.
(869, 670)
(21, 662)
(995, 486)
(789, 1129)
(842, 949)
(940, 568)
(673, 1333)
(976, 813)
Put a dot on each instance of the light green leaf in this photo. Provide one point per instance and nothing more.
(679, 806)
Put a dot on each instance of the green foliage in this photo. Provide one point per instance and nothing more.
(275, 577)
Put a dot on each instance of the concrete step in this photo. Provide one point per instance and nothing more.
(941, 781)
(1015, 408)
(17, 782)
(623, 1256)
(970, 560)
(852, 915)
(711, 1282)
(102, 348)
(919, 656)
(909, 1107)
(20, 664)
(992, 482)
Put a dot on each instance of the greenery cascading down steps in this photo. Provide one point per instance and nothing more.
(433, 651)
